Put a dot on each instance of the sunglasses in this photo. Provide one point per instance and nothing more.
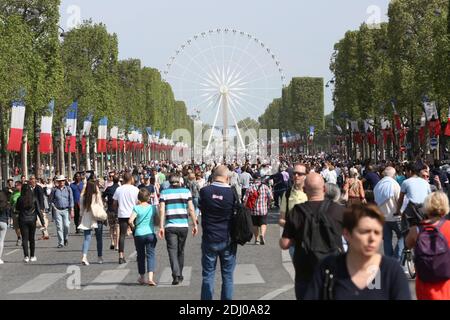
(300, 174)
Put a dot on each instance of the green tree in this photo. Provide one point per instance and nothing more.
(45, 64)
(89, 54)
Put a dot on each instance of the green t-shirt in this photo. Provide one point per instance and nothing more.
(144, 220)
(14, 198)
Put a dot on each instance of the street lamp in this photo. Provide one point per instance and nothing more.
(330, 82)
(63, 34)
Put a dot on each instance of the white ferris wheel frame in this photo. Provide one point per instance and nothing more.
(224, 90)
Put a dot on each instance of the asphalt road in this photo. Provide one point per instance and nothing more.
(262, 271)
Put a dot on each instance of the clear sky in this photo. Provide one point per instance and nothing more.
(301, 33)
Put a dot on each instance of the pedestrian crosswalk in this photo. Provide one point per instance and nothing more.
(245, 274)
(108, 279)
(39, 284)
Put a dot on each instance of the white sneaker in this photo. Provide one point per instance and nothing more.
(26, 260)
(100, 260)
(1, 261)
(33, 259)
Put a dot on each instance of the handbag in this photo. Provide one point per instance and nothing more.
(98, 212)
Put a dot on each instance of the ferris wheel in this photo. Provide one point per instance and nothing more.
(225, 76)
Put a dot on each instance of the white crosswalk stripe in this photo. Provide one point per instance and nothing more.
(247, 274)
(111, 279)
(39, 283)
(108, 280)
(166, 278)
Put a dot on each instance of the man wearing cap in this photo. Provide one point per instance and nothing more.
(61, 200)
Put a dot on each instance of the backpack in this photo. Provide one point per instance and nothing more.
(320, 236)
(432, 254)
(253, 198)
(241, 222)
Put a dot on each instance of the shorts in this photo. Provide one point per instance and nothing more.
(258, 221)
(15, 221)
(113, 218)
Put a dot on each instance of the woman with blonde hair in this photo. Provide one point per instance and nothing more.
(354, 190)
(432, 234)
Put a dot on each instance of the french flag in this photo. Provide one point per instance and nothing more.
(45, 143)
(71, 128)
(86, 131)
(114, 133)
(16, 131)
(102, 135)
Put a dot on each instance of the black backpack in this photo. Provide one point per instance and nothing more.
(241, 222)
(320, 236)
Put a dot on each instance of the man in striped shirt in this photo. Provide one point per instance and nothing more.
(175, 208)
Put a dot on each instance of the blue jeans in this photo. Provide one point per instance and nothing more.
(389, 228)
(227, 255)
(62, 225)
(98, 236)
(301, 287)
(145, 248)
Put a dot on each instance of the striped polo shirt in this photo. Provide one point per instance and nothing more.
(176, 206)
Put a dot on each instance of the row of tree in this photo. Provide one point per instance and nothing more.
(405, 60)
(301, 106)
(38, 63)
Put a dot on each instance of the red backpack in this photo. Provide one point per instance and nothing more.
(252, 198)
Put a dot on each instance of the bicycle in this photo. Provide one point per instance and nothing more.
(407, 259)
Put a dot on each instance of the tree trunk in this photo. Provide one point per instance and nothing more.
(77, 156)
(69, 164)
(88, 154)
(4, 154)
(58, 160)
(37, 153)
(62, 164)
(24, 155)
(102, 164)
(95, 158)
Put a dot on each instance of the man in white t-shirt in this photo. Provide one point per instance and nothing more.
(387, 193)
(126, 197)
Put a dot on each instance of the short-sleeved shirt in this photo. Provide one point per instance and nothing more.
(76, 191)
(295, 197)
(176, 206)
(244, 180)
(416, 189)
(109, 194)
(144, 220)
(372, 179)
(150, 187)
(216, 204)
(126, 196)
(293, 229)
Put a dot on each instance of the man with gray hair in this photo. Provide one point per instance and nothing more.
(387, 193)
(175, 207)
